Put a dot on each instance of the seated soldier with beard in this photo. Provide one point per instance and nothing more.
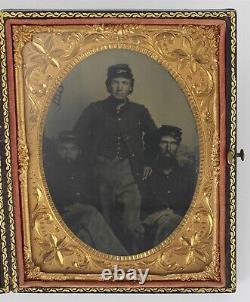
(168, 190)
(69, 183)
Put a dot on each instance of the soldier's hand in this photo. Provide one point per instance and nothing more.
(139, 231)
(75, 208)
(147, 172)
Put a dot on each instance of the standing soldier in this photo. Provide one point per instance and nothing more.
(112, 134)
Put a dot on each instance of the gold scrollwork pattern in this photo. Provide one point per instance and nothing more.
(6, 147)
(23, 157)
(90, 15)
(233, 149)
(54, 248)
(4, 259)
(47, 57)
(183, 52)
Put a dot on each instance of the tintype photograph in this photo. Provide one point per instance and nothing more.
(120, 152)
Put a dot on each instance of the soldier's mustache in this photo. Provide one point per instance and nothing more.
(168, 154)
(68, 160)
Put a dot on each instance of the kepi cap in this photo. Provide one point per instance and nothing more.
(120, 70)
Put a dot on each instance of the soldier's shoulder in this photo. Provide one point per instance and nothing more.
(96, 103)
(137, 106)
(187, 170)
(93, 106)
(99, 102)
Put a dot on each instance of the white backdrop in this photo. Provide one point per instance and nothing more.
(243, 201)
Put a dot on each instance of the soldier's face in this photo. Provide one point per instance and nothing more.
(68, 152)
(168, 146)
(120, 88)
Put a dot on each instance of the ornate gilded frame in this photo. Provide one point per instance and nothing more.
(205, 241)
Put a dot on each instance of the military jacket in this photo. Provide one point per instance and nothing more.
(174, 191)
(68, 184)
(106, 129)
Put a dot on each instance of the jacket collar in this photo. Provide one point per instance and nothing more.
(114, 104)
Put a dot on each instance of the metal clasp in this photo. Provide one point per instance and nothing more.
(231, 155)
(241, 154)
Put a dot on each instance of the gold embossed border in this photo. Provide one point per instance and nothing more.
(232, 137)
(4, 258)
(6, 209)
(201, 14)
(46, 55)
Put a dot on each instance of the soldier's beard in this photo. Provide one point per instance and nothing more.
(68, 163)
(166, 161)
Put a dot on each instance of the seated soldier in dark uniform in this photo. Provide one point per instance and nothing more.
(168, 190)
(71, 190)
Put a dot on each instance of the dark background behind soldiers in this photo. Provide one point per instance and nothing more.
(154, 88)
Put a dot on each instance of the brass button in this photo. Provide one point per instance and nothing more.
(230, 157)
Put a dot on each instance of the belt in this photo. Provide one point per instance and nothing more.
(101, 158)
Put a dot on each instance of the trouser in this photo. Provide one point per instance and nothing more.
(92, 229)
(162, 223)
(120, 200)
(166, 225)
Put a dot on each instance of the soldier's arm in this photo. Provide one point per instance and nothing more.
(188, 183)
(191, 180)
(148, 123)
(149, 128)
(83, 126)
